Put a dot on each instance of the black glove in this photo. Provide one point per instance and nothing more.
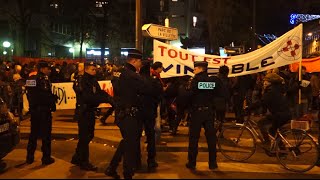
(53, 102)
(56, 98)
(53, 108)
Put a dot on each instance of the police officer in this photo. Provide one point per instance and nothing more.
(149, 113)
(89, 96)
(41, 103)
(128, 89)
(201, 94)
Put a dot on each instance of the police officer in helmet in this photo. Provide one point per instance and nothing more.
(41, 103)
(89, 96)
(201, 93)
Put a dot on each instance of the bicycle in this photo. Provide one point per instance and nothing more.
(296, 150)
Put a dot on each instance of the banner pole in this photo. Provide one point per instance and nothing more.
(300, 78)
(300, 67)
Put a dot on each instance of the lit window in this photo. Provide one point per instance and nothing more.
(175, 0)
(195, 19)
(56, 6)
(99, 4)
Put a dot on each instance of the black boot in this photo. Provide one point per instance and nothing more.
(191, 166)
(112, 173)
(30, 159)
(75, 160)
(47, 161)
(213, 166)
(3, 166)
(152, 164)
(88, 167)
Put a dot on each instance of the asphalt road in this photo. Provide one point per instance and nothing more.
(171, 165)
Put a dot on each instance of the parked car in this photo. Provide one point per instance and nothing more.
(9, 132)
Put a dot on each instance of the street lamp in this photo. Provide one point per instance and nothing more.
(6, 44)
(4, 52)
(71, 50)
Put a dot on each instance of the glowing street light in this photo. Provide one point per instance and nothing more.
(71, 50)
(4, 52)
(310, 34)
(6, 44)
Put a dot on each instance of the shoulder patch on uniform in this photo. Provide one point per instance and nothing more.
(116, 74)
(206, 85)
(31, 83)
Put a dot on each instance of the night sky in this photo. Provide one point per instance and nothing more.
(273, 16)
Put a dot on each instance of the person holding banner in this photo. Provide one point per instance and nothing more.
(89, 96)
(201, 93)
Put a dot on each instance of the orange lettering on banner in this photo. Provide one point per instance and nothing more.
(186, 56)
(162, 49)
(193, 57)
(217, 61)
(175, 53)
(206, 59)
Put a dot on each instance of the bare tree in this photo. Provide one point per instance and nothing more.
(19, 13)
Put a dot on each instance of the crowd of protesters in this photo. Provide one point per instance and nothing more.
(239, 91)
(13, 76)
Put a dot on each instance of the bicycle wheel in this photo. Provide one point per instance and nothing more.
(236, 143)
(299, 153)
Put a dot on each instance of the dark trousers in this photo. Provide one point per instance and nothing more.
(220, 117)
(76, 115)
(148, 123)
(201, 119)
(130, 129)
(315, 102)
(238, 100)
(86, 125)
(180, 115)
(41, 126)
(107, 114)
(171, 115)
(270, 124)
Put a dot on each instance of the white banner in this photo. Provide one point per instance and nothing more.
(67, 96)
(285, 50)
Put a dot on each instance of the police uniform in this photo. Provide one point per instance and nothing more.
(41, 104)
(77, 87)
(201, 93)
(128, 90)
(89, 96)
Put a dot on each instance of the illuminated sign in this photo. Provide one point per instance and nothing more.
(160, 32)
(297, 18)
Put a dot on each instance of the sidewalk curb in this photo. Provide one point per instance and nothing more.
(114, 143)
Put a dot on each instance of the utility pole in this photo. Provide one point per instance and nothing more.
(167, 24)
(138, 25)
